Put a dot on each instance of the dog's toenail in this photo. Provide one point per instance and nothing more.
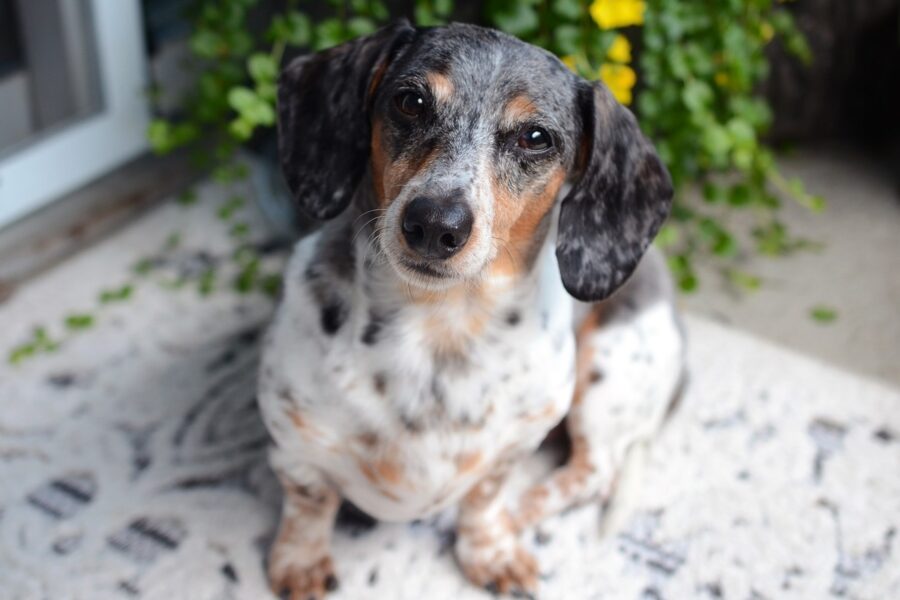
(331, 583)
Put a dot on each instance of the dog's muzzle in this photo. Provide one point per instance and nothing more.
(437, 229)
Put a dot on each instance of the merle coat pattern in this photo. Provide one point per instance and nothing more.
(469, 186)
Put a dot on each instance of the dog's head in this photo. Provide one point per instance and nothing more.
(470, 135)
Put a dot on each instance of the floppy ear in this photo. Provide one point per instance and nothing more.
(615, 208)
(323, 118)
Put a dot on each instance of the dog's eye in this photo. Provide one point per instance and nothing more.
(534, 139)
(410, 103)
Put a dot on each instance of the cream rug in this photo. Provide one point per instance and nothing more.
(132, 458)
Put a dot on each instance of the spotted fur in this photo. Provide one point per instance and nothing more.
(408, 385)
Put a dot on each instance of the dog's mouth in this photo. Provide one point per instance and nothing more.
(423, 268)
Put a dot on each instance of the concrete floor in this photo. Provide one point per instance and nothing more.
(857, 272)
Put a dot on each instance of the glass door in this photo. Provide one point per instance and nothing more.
(72, 96)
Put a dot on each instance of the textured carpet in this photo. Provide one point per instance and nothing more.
(132, 460)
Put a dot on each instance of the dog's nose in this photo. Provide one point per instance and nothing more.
(437, 229)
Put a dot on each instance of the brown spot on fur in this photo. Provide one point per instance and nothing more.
(379, 381)
(299, 422)
(368, 439)
(441, 86)
(467, 462)
(572, 477)
(517, 222)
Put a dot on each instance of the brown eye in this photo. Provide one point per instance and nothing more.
(411, 103)
(535, 139)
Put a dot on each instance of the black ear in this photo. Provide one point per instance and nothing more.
(616, 206)
(323, 118)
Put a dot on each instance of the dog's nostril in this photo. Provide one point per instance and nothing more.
(413, 231)
(449, 240)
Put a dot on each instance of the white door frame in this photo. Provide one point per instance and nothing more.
(67, 159)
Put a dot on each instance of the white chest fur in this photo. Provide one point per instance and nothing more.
(404, 404)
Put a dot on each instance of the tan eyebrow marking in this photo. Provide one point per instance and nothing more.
(519, 109)
(441, 86)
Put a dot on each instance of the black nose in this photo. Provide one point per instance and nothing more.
(437, 228)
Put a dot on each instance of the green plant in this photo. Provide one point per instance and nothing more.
(700, 64)
(694, 91)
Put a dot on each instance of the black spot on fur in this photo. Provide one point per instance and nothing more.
(333, 316)
(373, 329)
(884, 435)
(61, 380)
(380, 383)
(229, 572)
(513, 318)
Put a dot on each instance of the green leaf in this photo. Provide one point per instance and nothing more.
(293, 28)
(517, 18)
(173, 241)
(270, 285)
(207, 283)
(567, 38)
(230, 207)
(358, 26)
(262, 68)
(242, 99)
(569, 9)
(143, 266)
(116, 295)
(79, 322)
(21, 352)
(187, 198)
(240, 230)
(823, 314)
(745, 281)
(329, 32)
(697, 95)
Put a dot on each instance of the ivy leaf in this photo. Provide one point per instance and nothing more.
(329, 32)
(567, 38)
(293, 28)
(823, 314)
(262, 68)
(569, 9)
(79, 322)
(116, 295)
(517, 18)
(358, 26)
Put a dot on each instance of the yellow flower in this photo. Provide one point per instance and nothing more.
(620, 50)
(766, 31)
(612, 14)
(569, 61)
(620, 80)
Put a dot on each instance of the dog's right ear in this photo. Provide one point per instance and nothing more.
(324, 102)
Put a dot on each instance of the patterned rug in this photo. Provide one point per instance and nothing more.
(132, 459)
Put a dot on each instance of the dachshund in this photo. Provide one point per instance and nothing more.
(477, 205)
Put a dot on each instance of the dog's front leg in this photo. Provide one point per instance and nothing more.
(487, 545)
(300, 566)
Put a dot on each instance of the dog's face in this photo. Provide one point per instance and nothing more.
(469, 136)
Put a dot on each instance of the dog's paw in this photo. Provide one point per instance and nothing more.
(515, 572)
(292, 581)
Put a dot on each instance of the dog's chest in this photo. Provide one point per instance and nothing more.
(405, 412)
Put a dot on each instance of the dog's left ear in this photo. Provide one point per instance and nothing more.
(323, 118)
(618, 203)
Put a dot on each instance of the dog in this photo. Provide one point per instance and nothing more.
(479, 204)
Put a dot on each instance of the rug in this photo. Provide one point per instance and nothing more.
(132, 457)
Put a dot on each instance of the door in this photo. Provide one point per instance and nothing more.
(72, 96)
